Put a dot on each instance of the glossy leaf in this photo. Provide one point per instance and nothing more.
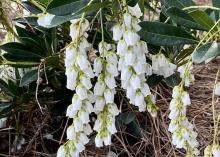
(183, 18)
(132, 2)
(173, 80)
(216, 3)
(5, 88)
(202, 18)
(164, 34)
(126, 117)
(19, 52)
(206, 52)
(67, 7)
(178, 3)
(29, 77)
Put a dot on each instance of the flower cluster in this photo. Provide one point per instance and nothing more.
(183, 135)
(105, 67)
(212, 151)
(79, 73)
(132, 59)
(162, 66)
(186, 75)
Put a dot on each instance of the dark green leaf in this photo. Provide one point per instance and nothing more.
(93, 6)
(5, 88)
(28, 20)
(154, 80)
(173, 80)
(183, 54)
(21, 64)
(24, 33)
(19, 52)
(202, 18)
(183, 18)
(132, 2)
(67, 7)
(6, 110)
(206, 52)
(178, 3)
(52, 61)
(29, 77)
(216, 3)
(126, 117)
(135, 128)
(164, 34)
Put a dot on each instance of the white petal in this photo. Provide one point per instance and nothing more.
(61, 151)
(98, 141)
(71, 134)
(45, 19)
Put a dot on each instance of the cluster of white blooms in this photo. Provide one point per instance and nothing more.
(44, 19)
(79, 73)
(186, 75)
(162, 66)
(132, 59)
(212, 151)
(105, 67)
(183, 135)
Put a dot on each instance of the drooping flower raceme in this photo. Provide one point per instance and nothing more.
(132, 59)
(186, 74)
(105, 67)
(79, 73)
(183, 135)
(162, 66)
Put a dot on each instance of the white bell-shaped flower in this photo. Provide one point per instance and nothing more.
(98, 141)
(81, 92)
(61, 151)
(131, 37)
(118, 32)
(45, 19)
(71, 134)
(217, 89)
(97, 66)
(135, 11)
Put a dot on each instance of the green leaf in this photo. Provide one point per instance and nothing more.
(206, 52)
(216, 3)
(7, 109)
(179, 3)
(173, 80)
(157, 33)
(19, 52)
(202, 18)
(154, 80)
(52, 61)
(24, 33)
(127, 117)
(5, 88)
(29, 77)
(93, 6)
(66, 7)
(183, 54)
(33, 45)
(183, 18)
(132, 2)
(21, 64)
